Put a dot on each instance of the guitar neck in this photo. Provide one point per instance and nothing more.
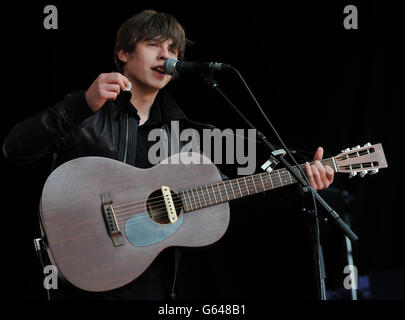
(224, 191)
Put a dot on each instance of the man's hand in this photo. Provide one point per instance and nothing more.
(319, 176)
(107, 86)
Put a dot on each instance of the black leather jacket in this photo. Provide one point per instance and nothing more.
(70, 129)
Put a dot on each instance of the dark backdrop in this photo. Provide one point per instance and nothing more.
(320, 84)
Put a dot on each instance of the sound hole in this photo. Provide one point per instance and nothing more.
(156, 207)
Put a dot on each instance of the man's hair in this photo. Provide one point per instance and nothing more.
(149, 24)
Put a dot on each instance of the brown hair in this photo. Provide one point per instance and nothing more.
(149, 24)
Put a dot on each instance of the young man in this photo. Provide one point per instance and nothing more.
(108, 121)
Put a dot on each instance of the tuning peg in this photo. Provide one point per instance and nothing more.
(363, 173)
(356, 147)
(374, 171)
(352, 174)
(367, 144)
(346, 150)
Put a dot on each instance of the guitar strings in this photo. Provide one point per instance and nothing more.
(219, 183)
(222, 182)
(160, 211)
(124, 215)
(127, 210)
(199, 191)
(134, 206)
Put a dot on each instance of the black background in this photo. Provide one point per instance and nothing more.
(320, 84)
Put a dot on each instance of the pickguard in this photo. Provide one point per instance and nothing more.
(142, 231)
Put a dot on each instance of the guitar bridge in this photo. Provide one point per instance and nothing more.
(110, 220)
(169, 203)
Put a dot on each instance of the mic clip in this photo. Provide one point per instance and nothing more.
(209, 80)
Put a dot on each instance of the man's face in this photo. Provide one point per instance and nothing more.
(143, 64)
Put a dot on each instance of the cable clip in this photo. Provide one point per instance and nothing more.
(272, 163)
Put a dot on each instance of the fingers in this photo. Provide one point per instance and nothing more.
(319, 176)
(116, 78)
(311, 175)
(109, 95)
(330, 174)
(106, 91)
(112, 87)
(107, 86)
(318, 154)
(324, 182)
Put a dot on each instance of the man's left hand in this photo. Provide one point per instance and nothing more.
(320, 177)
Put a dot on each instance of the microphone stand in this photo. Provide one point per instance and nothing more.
(213, 84)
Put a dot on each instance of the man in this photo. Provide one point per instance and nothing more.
(109, 121)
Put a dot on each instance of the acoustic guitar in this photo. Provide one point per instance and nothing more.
(105, 221)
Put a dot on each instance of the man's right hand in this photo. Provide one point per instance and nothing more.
(107, 86)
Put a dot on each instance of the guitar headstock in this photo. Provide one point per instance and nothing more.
(362, 160)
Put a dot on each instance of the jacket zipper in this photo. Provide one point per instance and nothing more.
(126, 140)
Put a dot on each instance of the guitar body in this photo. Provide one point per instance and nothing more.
(79, 244)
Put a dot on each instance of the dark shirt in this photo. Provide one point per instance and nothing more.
(138, 143)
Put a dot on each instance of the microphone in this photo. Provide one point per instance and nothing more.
(173, 66)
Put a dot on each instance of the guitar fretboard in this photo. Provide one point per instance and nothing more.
(223, 191)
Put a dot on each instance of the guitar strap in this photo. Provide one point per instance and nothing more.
(41, 245)
(176, 269)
